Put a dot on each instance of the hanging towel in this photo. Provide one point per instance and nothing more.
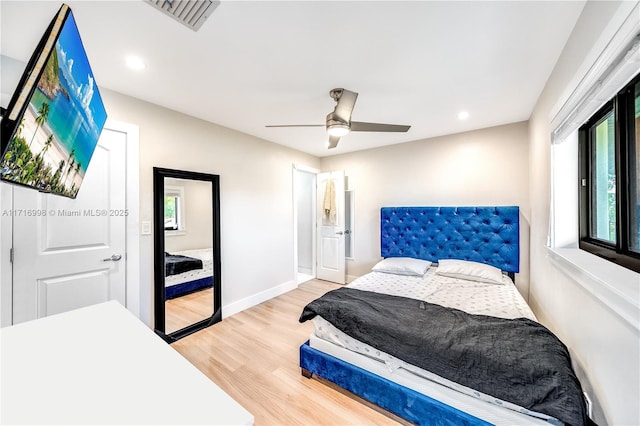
(329, 204)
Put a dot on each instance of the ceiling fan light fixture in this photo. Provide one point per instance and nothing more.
(338, 129)
(338, 122)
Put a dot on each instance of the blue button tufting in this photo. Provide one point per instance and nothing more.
(436, 232)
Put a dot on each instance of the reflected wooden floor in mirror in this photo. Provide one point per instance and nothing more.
(253, 356)
(188, 309)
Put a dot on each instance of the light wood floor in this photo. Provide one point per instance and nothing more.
(253, 356)
(188, 309)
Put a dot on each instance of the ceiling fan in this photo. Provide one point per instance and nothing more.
(339, 121)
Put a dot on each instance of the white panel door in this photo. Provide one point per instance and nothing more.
(71, 253)
(331, 262)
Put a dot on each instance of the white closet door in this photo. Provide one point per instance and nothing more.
(331, 263)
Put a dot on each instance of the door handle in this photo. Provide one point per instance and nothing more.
(113, 258)
(339, 233)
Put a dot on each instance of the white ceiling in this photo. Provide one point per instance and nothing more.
(274, 62)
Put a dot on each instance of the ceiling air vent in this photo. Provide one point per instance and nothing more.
(191, 13)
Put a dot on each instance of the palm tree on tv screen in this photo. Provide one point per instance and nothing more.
(47, 145)
(43, 114)
(70, 164)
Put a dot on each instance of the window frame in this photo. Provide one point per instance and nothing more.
(619, 252)
(176, 192)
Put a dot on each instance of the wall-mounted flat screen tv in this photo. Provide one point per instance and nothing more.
(54, 119)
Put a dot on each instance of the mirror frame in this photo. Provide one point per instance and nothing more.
(159, 248)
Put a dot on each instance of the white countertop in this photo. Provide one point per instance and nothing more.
(100, 364)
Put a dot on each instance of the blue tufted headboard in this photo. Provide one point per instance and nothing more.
(482, 234)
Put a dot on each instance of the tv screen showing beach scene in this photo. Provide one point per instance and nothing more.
(53, 141)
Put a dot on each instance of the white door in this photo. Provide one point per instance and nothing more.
(70, 253)
(331, 263)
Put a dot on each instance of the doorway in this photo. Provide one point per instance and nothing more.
(321, 244)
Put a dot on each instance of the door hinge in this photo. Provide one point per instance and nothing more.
(11, 255)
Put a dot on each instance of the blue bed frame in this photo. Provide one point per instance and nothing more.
(177, 290)
(488, 235)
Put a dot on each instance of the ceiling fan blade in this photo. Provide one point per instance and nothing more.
(295, 125)
(359, 126)
(345, 105)
(333, 141)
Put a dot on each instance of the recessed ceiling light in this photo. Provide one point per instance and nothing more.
(463, 115)
(135, 63)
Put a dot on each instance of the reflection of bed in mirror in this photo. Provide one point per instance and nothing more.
(188, 271)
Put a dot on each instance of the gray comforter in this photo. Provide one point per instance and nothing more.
(515, 360)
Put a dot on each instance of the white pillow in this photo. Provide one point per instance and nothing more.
(468, 270)
(402, 266)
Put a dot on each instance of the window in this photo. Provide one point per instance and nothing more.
(173, 209)
(171, 203)
(609, 188)
(634, 170)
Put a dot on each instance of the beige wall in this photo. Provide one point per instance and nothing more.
(255, 193)
(605, 347)
(482, 167)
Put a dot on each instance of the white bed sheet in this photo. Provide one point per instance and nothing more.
(206, 255)
(470, 296)
(473, 297)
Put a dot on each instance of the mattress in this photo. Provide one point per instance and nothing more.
(473, 297)
(206, 255)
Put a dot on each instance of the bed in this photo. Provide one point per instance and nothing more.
(361, 339)
(188, 271)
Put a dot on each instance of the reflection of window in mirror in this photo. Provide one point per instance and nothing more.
(174, 208)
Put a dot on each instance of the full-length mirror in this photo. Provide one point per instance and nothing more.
(187, 266)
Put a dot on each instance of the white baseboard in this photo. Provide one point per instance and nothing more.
(256, 299)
